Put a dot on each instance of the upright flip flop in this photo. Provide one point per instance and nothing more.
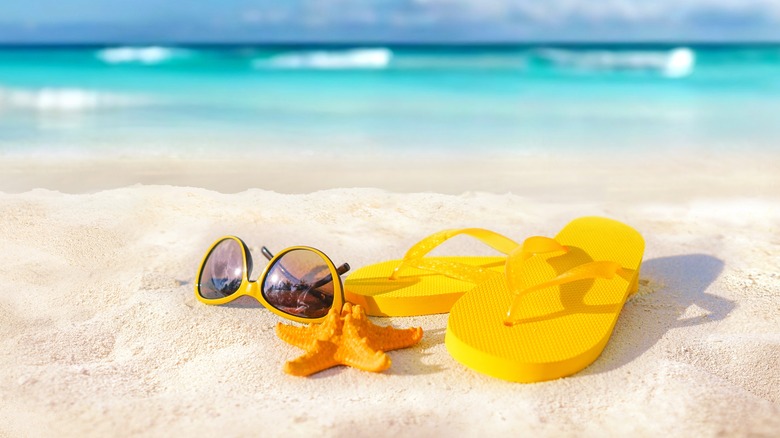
(419, 285)
(553, 312)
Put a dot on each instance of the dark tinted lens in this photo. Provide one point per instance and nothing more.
(299, 283)
(223, 271)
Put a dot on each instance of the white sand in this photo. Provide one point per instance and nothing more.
(101, 334)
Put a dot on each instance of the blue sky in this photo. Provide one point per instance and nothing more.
(161, 21)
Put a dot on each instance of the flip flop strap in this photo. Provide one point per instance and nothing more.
(604, 269)
(535, 245)
(414, 257)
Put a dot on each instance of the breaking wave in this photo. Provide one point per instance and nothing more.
(378, 58)
(141, 55)
(63, 99)
(675, 63)
(668, 62)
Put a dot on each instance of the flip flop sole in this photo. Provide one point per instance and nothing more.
(562, 329)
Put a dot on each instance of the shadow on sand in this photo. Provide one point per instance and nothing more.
(679, 282)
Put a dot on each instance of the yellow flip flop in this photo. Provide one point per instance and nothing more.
(419, 285)
(553, 312)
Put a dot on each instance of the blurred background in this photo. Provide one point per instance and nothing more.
(164, 78)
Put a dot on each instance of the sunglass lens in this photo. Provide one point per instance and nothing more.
(223, 271)
(300, 283)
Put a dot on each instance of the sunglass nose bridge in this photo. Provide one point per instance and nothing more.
(253, 289)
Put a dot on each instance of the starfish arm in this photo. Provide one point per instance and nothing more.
(345, 337)
(305, 336)
(382, 338)
(390, 338)
(299, 336)
(356, 353)
(320, 358)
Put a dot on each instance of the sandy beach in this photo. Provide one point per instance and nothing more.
(665, 175)
(102, 335)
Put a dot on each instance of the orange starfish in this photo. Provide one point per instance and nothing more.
(344, 338)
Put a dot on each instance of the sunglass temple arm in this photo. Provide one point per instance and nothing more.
(327, 279)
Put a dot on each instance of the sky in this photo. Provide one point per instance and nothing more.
(410, 21)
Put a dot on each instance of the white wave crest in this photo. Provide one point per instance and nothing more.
(679, 63)
(673, 63)
(378, 58)
(63, 99)
(141, 55)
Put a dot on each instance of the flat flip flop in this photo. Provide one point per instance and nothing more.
(419, 285)
(554, 310)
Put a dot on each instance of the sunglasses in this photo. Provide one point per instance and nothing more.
(300, 283)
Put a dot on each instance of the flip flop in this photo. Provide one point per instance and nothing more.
(553, 312)
(419, 285)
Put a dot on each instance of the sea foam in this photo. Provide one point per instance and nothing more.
(675, 63)
(63, 99)
(376, 58)
(141, 55)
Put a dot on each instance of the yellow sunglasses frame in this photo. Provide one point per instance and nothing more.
(253, 288)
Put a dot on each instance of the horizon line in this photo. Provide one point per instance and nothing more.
(365, 44)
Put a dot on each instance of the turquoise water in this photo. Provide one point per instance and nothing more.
(216, 100)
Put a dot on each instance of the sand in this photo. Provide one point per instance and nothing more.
(101, 334)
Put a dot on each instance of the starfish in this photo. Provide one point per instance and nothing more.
(345, 337)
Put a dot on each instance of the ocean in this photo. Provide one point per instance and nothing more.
(194, 101)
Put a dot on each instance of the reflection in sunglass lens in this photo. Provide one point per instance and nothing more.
(223, 271)
(299, 283)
